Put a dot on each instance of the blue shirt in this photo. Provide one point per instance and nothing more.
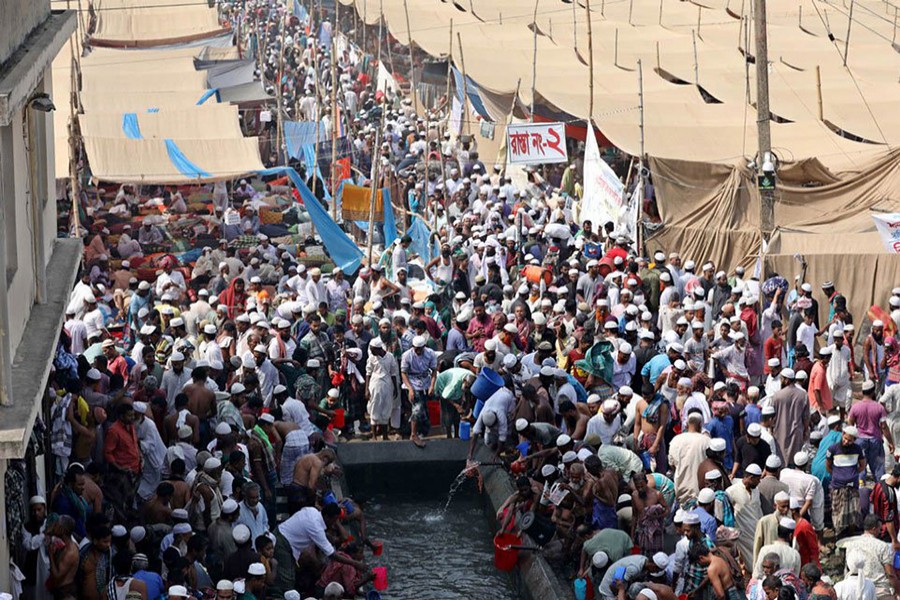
(708, 523)
(655, 366)
(752, 414)
(153, 582)
(456, 340)
(723, 428)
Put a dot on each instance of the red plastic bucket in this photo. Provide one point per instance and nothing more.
(434, 413)
(381, 582)
(338, 420)
(377, 548)
(505, 558)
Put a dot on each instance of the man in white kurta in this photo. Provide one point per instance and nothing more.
(747, 510)
(687, 451)
(790, 558)
(381, 374)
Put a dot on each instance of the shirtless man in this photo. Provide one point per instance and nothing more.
(647, 522)
(63, 552)
(601, 485)
(171, 422)
(201, 399)
(718, 574)
(158, 508)
(307, 472)
(576, 422)
(648, 431)
(181, 494)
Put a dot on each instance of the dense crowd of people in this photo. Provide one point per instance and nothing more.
(680, 427)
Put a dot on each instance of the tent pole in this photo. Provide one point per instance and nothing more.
(534, 60)
(280, 129)
(746, 21)
(819, 92)
(699, 19)
(587, 8)
(449, 72)
(849, 25)
(637, 229)
(465, 102)
(412, 64)
(509, 119)
(660, 13)
(335, 122)
(696, 61)
(616, 49)
(375, 160)
(764, 131)
(575, 25)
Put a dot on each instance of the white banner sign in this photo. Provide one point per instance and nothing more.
(602, 200)
(536, 143)
(888, 225)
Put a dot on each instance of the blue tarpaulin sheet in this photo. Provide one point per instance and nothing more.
(182, 162)
(344, 252)
(207, 95)
(300, 11)
(130, 126)
(472, 92)
(389, 227)
(420, 245)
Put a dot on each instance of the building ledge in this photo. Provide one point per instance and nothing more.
(34, 356)
(25, 68)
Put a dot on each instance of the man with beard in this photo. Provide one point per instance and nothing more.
(733, 359)
(792, 415)
(481, 327)
(649, 513)
(845, 461)
(715, 457)
(744, 497)
(767, 526)
(873, 355)
(721, 426)
(750, 449)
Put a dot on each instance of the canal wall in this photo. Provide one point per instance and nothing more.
(394, 465)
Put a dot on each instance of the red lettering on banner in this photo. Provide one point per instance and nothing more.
(554, 142)
(537, 142)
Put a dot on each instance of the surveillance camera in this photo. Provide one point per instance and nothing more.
(768, 167)
(43, 103)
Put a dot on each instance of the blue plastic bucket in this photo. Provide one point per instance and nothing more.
(465, 430)
(487, 382)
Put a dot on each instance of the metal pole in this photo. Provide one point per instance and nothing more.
(849, 25)
(534, 59)
(587, 8)
(637, 228)
(279, 133)
(746, 22)
(763, 127)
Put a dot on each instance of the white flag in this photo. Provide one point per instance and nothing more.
(602, 199)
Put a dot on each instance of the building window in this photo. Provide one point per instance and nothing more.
(8, 197)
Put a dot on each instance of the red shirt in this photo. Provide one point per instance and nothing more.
(121, 449)
(772, 348)
(807, 542)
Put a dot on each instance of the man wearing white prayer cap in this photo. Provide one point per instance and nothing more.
(846, 462)
(607, 422)
(767, 527)
(637, 568)
(744, 497)
(782, 546)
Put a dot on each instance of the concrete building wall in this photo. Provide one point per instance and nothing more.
(22, 285)
(19, 18)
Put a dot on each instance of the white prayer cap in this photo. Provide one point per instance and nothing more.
(224, 586)
(256, 569)
(753, 470)
(229, 506)
(782, 497)
(212, 464)
(36, 500)
(179, 591)
(241, 533)
(787, 523)
(717, 445)
(600, 559)
(521, 424)
(754, 430)
(713, 475)
(706, 496)
(773, 462)
(851, 431)
(795, 502)
(563, 439)
(661, 560)
(801, 458)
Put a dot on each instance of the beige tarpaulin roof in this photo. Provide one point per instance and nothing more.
(217, 121)
(147, 161)
(147, 23)
(498, 51)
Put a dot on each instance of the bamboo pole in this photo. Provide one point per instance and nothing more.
(534, 59)
(587, 8)
(73, 146)
(315, 169)
(819, 92)
(335, 122)
(465, 102)
(449, 71)
(279, 132)
(412, 65)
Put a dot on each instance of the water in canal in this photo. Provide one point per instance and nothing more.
(435, 555)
